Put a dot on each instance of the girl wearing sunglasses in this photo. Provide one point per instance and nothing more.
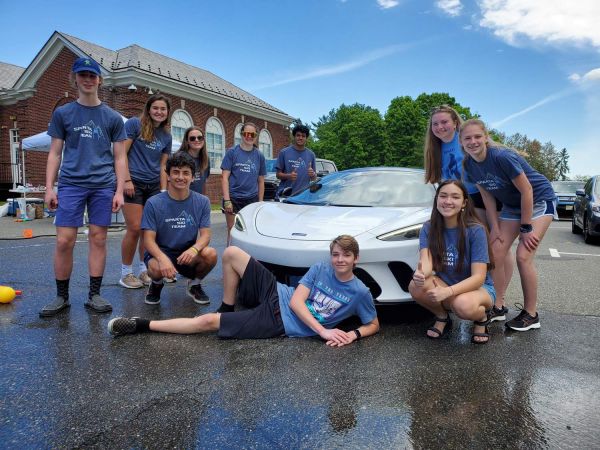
(194, 144)
(244, 171)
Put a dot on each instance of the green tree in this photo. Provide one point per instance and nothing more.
(406, 123)
(352, 136)
(562, 166)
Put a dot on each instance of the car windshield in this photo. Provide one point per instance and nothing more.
(271, 163)
(567, 186)
(366, 188)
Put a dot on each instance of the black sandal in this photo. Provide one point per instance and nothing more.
(446, 330)
(485, 334)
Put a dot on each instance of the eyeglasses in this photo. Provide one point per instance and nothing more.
(249, 134)
(196, 138)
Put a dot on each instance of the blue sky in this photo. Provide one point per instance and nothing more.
(528, 66)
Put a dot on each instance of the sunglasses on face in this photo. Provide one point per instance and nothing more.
(249, 134)
(196, 138)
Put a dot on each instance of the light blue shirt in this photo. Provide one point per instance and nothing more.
(245, 168)
(144, 157)
(290, 159)
(330, 301)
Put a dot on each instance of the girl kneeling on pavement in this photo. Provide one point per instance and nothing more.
(454, 263)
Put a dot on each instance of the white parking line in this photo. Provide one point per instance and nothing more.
(556, 254)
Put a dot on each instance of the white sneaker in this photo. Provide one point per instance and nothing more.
(145, 278)
(130, 281)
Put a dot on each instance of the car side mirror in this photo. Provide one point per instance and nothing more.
(286, 192)
(322, 173)
(580, 192)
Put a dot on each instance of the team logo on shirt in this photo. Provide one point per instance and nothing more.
(183, 220)
(450, 256)
(246, 167)
(90, 131)
(297, 163)
(491, 182)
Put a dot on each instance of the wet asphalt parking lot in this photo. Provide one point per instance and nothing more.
(66, 383)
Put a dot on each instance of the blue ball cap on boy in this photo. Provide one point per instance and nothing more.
(86, 64)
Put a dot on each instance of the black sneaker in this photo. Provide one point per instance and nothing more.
(524, 321)
(122, 325)
(197, 293)
(153, 294)
(497, 314)
(54, 307)
(98, 304)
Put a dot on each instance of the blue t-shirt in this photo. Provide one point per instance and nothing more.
(88, 132)
(290, 159)
(452, 167)
(200, 177)
(330, 301)
(245, 168)
(476, 251)
(144, 157)
(176, 222)
(496, 172)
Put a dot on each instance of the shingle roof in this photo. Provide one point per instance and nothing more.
(9, 74)
(146, 60)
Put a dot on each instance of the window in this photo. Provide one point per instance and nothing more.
(264, 144)
(237, 134)
(180, 121)
(215, 142)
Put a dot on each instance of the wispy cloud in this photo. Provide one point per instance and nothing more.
(548, 21)
(542, 102)
(450, 7)
(385, 4)
(342, 67)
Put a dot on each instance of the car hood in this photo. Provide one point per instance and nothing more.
(321, 223)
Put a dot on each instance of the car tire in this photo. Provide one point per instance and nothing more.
(574, 228)
(587, 237)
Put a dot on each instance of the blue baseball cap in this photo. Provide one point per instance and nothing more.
(86, 64)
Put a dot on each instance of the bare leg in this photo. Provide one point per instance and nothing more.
(508, 261)
(420, 295)
(63, 254)
(97, 246)
(200, 324)
(526, 267)
(133, 220)
(205, 261)
(509, 230)
(473, 306)
(234, 261)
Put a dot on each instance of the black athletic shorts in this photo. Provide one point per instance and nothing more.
(258, 291)
(182, 269)
(239, 203)
(143, 191)
(478, 201)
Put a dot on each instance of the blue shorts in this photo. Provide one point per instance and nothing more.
(540, 209)
(72, 203)
(492, 291)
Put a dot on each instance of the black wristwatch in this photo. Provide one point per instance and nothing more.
(358, 335)
(526, 228)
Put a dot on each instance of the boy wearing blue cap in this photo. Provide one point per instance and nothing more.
(92, 175)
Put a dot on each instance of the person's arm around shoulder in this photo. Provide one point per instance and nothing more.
(54, 158)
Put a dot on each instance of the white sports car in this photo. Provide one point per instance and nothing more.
(383, 208)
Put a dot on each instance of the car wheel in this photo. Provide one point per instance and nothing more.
(574, 228)
(587, 237)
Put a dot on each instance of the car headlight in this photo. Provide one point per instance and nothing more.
(238, 223)
(403, 234)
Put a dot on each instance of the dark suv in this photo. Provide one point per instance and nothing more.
(323, 167)
(586, 211)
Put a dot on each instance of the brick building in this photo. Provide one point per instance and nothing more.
(28, 96)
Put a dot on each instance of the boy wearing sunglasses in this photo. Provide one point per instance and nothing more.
(92, 176)
(296, 163)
